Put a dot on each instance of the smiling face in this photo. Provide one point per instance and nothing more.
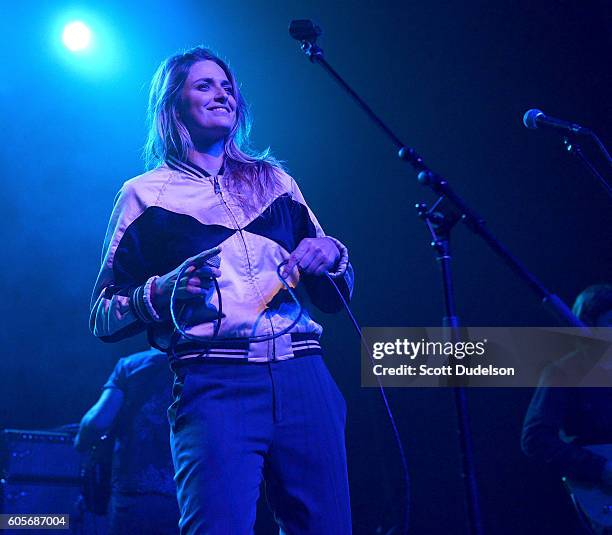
(208, 105)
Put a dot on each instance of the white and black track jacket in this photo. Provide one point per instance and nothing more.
(178, 210)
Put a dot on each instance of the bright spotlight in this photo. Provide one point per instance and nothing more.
(76, 36)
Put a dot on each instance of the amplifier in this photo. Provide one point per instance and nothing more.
(36, 455)
(23, 497)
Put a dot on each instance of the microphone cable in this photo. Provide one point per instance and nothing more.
(398, 440)
(179, 328)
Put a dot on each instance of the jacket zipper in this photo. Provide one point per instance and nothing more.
(217, 189)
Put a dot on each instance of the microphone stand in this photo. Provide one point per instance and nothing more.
(440, 220)
(449, 209)
(576, 150)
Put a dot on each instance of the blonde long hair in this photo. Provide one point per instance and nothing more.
(249, 174)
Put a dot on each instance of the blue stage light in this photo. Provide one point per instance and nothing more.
(86, 42)
(77, 36)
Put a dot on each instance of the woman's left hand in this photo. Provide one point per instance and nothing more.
(313, 256)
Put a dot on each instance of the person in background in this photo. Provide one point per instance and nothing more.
(132, 409)
(560, 421)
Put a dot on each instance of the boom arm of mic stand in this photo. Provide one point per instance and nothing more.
(441, 186)
(576, 150)
(475, 223)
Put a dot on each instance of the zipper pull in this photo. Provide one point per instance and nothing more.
(217, 187)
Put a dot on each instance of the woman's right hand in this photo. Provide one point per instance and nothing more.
(196, 280)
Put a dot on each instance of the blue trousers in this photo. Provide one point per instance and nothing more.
(233, 424)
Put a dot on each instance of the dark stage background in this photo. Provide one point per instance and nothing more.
(452, 78)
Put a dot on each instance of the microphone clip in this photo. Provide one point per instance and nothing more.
(307, 33)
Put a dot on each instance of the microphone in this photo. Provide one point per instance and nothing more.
(304, 30)
(214, 261)
(536, 119)
(201, 309)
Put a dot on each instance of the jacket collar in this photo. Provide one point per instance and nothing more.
(190, 168)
